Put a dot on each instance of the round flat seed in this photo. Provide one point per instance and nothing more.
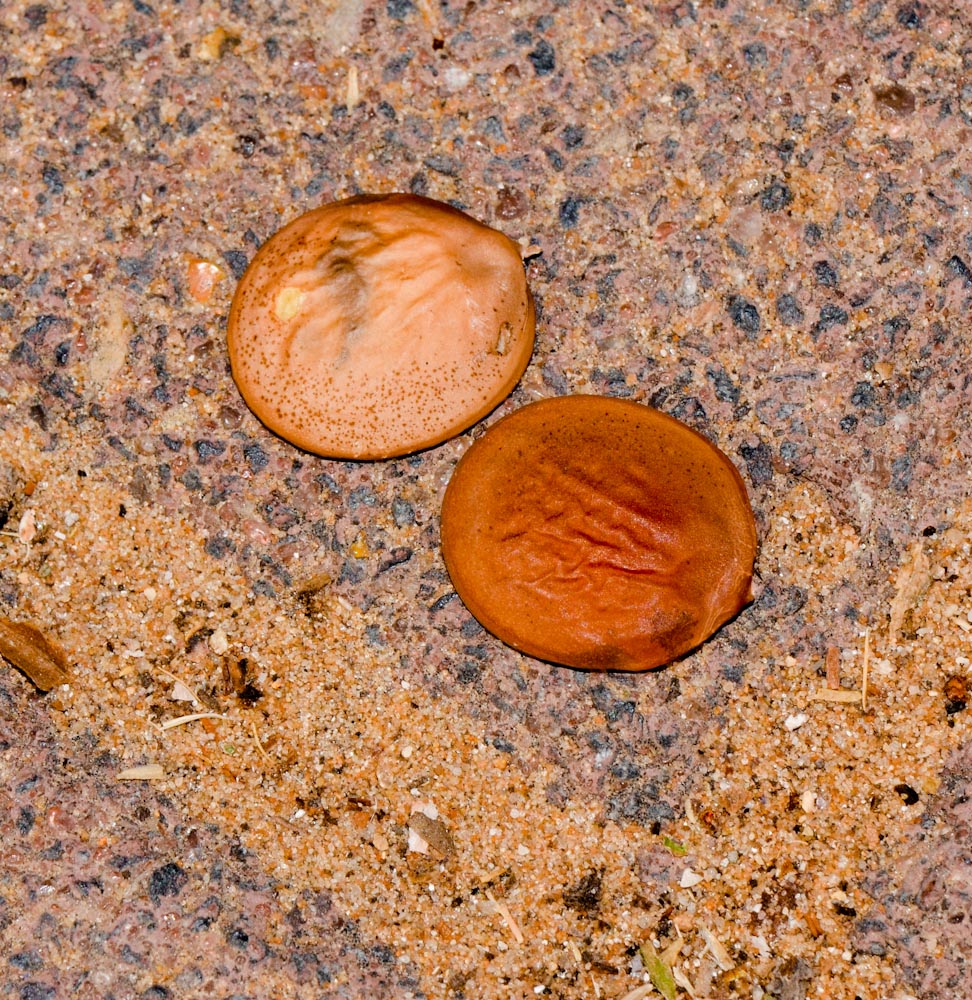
(598, 533)
(380, 325)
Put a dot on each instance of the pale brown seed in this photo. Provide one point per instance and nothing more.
(377, 326)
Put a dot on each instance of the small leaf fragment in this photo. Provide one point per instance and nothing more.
(674, 846)
(29, 650)
(659, 971)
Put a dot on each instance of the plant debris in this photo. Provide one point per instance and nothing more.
(30, 651)
(433, 831)
(143, 772)
(659, 970)
(184, 719)
(913, 580)
(504, 911)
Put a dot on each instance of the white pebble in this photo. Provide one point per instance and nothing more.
(689, 878)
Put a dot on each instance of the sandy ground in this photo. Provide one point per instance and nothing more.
(752, 216)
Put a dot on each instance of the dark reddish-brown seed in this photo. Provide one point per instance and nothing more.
(598, 533)
(380, 325)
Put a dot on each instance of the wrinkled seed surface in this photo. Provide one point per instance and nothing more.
(598, 533)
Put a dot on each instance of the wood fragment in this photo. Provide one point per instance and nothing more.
(144, 772)
(833, 668)
(683, 980)
(840, 697)
(30, 651)
(504, 912)
(352, 96)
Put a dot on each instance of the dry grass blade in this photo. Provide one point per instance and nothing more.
(29, 650)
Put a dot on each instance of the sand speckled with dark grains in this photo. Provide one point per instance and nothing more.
(752, 216)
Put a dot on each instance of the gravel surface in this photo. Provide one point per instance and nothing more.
(751, 216)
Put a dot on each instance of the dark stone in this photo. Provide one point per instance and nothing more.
(26, 961)
(569, 212)
(468, 672)
(775, 197)
(398, 10)
(825, 273)
(725, 389)
(957, 268)
(237, 261)
(246, 145)
(52, 179)
(902, 472)
(759, 461)
(25, 820)
(238, 937)
(443, 164)
(830, 315)
(794, 600)
(755, 55)
(864, 396)
(543, 58)
(36, 15)
(256, 457)
(744, 315)
(219, 546)
(909, 15)
(206, 449)
(573, 136)
(168, 880)
(403, 513)
(37, 991)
